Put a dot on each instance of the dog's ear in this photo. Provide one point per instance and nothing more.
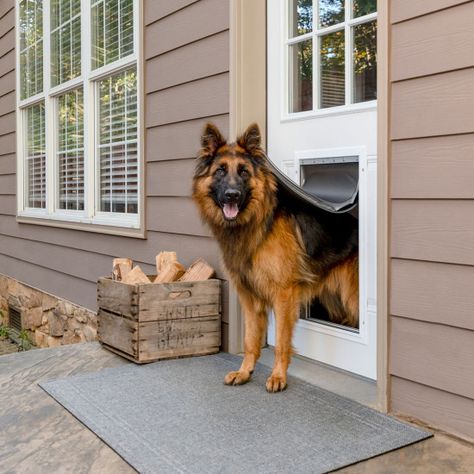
(211, 140)
(251, 139)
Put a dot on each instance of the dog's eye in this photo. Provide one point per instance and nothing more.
(244, 173)
(220, 172)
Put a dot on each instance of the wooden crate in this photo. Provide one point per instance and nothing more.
(149, 322)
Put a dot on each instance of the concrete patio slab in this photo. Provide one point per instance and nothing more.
(39, 436)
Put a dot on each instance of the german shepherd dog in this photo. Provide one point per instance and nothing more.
(279, 252)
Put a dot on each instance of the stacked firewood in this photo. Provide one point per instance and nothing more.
(168, 269)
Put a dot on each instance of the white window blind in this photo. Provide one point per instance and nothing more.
(65, 40)
(79, 130)
(31, 47)
(35, 156)
(118, 145)
(71, 150)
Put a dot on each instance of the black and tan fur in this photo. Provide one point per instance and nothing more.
(278, 251)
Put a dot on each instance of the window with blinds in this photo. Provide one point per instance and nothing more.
(112, 31)
(79, 128)
(117, 143)
(70, 154)
(31, 47)
(65, 40)
(35, 156)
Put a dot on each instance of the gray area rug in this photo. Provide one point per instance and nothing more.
(177, 416)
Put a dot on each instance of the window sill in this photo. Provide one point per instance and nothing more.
(331, 111)
(98, 226)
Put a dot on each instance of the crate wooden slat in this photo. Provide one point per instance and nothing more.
(157, 321)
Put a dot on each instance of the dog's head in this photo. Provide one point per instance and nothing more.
(232, 182)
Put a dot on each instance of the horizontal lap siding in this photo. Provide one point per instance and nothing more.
(432, 204)
(449, 412)
(186, 84)
(7, 114)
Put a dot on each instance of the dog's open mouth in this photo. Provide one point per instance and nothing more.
(231, 210)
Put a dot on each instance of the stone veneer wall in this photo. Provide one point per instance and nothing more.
(50, 320)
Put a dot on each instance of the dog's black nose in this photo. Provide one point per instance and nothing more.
(232, 195)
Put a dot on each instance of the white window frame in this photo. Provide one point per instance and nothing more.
(91, 219)
(314, 35)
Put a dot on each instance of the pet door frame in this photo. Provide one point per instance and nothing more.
(342, 155)
(366, 335)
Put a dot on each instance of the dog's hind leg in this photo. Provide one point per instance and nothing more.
(286, 308)
(255, 326)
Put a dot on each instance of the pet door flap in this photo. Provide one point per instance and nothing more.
(332, 184)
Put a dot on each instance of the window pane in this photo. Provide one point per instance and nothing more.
(118, 148)
(332, 80)
(31, 47)
(301, 76)
(35, 157)
(364, 7)
(65, 40)
(112, 31)
(331, 12)
(365, 62)
(70, 153)
(300, 17)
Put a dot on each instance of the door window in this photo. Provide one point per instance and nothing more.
(331, 51)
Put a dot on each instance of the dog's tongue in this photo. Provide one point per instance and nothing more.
(231, 210)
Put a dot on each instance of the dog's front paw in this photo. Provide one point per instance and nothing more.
(276, 383)
(237, 377)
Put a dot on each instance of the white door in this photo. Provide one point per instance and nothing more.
(322, 104)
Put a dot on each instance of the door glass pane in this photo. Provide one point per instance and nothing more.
(70, 153)
(112, 31)
(363, 7)
(331, 12)
(301, 76)
(300, 17)
(65, 40)
(31, 47)
(118, 146)
(365, 62)
(332, 76)
(35, 157)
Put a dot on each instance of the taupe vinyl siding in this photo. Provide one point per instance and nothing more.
(449, 412)
(196, 21)
(203, 58)
(141, 250)
(51, 281)
(441, 39)
(189, 101)
(438, 167)
(7, 62)
(433, 105)
(407, 9)
(8, 164)
(7, 102)
(163, 9)
(170, 178)
(433, 230)
(7, 205)
(7, 113)
(432, 203)
(7, 123)
(186, 84)
(433, 354)
(433, 299)
(8, 184)
(176, 215)
(178, 140)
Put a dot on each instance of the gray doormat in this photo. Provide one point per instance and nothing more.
(178, 416)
